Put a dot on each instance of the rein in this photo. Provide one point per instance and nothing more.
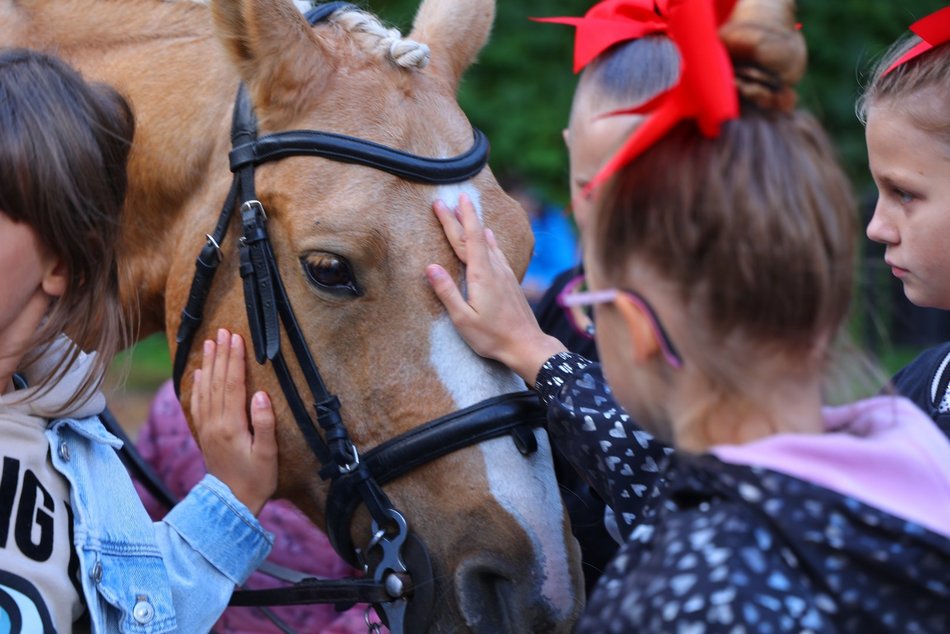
(399, 581)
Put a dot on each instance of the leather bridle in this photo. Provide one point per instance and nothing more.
(398, 580)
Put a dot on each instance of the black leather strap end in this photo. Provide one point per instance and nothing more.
(321, 12)
(343, 593)
(251, 304)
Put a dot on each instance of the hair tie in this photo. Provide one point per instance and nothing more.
(934, 30)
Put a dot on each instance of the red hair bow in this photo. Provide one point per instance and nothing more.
(934, 30)
(706, 90)
(611, 22)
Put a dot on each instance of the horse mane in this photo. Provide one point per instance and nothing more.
(372, 36)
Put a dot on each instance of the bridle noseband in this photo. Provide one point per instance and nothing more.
(401, 587)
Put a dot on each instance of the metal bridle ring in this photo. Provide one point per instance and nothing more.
(372, 628)
(376, 539)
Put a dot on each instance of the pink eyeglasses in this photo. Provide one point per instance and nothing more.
(578, 303)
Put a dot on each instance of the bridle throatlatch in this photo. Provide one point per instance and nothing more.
(399, 578)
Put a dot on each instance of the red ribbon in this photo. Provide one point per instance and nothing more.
(933, 30)
(706, 90)
(611, 22)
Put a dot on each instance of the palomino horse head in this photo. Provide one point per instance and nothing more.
(351, 245)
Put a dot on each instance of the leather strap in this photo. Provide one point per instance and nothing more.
(243, 130)
(347, 149)
(206, 265)
(262, 302)
(321, 12)
(343, 593)
(506, 414)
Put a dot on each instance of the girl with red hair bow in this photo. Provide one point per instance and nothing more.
(623, 59)
(719, 262)
(904, 109)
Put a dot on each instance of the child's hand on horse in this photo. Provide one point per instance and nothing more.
(243, 457)
(495, 318)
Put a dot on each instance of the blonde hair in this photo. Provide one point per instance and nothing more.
(928, 71)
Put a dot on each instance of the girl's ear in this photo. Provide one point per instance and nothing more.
(55, 278)
(640, 329)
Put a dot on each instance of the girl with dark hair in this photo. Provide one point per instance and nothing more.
(77, 549)
(719, 263)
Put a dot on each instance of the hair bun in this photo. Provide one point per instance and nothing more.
(767, 50)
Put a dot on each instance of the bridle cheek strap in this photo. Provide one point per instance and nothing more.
(516, 414)
(260, 298)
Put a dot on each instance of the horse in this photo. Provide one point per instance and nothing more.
(350, 244)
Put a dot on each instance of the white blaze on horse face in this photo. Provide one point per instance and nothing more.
(468, 377)
(449, 194)
(523, 485)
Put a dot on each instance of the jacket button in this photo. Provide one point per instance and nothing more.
(64, 451)
(143, 612)
(96, 573)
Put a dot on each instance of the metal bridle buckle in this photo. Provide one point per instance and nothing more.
(254, 204)
(351, 466)
(217, 247)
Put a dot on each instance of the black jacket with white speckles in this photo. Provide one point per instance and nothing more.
(718, 547)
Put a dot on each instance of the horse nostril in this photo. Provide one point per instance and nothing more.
(496, 596)
(487, 599)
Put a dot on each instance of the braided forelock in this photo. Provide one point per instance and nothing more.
(367, 30)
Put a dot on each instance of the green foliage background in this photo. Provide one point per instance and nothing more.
(520, 91)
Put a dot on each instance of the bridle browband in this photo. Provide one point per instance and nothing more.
(346, 149)
(401, 588)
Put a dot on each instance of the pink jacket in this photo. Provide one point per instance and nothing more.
(167, 444)
(870, 451)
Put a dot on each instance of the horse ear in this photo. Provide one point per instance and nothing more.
(455, 32)
(272, 46)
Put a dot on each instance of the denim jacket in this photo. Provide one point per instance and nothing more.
(137, 576)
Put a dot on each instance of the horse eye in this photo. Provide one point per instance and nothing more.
(330, 273)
